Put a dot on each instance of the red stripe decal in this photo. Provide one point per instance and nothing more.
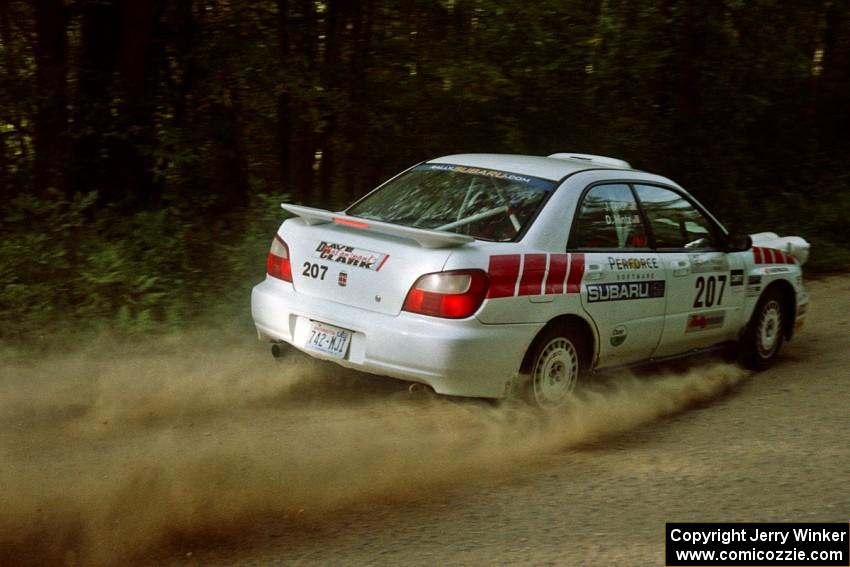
(757, 256)
(503, 272)
(533, 271)
(771, 253)
(576, 273)
(557, 273)
(789, 259)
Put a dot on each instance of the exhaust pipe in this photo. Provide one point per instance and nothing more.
(421, 389)
(279, 350)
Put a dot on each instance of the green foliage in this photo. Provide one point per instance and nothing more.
(66, 264)
(136, 164)
(820, 216)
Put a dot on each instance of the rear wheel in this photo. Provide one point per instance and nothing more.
(766, 331)
(557, 364)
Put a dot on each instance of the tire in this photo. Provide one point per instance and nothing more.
(765, 332)
(558, 362)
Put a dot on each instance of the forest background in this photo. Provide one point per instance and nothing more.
(145, 145)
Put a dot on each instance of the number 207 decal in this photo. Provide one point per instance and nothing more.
(707, 291)
(314, 271)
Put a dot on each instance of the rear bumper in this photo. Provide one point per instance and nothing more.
(455, 357)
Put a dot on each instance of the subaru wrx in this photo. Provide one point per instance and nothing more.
(485, 275)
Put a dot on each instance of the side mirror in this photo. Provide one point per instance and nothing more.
(736, 242)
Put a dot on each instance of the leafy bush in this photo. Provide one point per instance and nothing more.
(67, 265)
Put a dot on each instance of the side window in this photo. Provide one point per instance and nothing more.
(608, 218)
(675, 222)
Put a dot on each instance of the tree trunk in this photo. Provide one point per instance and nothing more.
(834, 91)
(51, 118)
(304, 139)
(358, 115)
(283, 135)
(139, 63)
(230, 180)
(100, 32)
(334, 23)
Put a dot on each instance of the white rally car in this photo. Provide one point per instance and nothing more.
(484, 275)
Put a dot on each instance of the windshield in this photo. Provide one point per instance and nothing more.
(483, 203)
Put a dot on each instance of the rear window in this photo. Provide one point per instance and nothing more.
(484, 203)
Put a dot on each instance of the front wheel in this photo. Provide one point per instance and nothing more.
(557, 363)
(766, 331)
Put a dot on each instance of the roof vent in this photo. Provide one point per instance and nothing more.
(600, 160)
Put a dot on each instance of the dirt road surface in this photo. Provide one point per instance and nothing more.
(202, 451)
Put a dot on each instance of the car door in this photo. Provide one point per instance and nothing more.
(623, 289)
(704, 283)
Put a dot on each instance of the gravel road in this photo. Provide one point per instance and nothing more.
(201, 451)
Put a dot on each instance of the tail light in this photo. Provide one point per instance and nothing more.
(278, 265)
(451, 295)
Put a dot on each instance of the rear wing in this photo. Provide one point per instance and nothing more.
(424, 237)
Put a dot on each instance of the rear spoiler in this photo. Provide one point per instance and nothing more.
(424, 237)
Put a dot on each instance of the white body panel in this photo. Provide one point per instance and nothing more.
(460, 358)
(380, 286)
(638, 304)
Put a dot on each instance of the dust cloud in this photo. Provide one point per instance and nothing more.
(111, 452)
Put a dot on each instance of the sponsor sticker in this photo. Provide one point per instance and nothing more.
(708, 262)
(736, 278)
(495, 173)
(702, 321)
(781, 270)
(619, 335)
(350, 256)
(342, 279)
(597, 293)
(632, 263)
(754, 280)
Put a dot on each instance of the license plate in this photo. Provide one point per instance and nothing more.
(328, 339)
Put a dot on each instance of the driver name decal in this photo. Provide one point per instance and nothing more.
(350, 256)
